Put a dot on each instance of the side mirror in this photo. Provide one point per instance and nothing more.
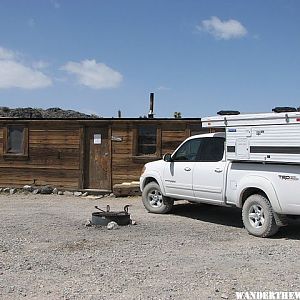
(167, 157)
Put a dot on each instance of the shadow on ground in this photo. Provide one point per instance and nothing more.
(210, 213)
(229, 217)
(290, 232)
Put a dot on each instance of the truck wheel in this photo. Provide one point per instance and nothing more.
(154, 201)
(258, 216)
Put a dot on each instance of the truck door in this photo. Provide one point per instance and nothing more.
(178, 174)
(209, 171)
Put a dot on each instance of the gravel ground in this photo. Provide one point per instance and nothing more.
(196, 252)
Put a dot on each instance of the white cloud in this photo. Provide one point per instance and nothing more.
(40, 64)
(6, 54)
(225, 30)
(94, 75)
(14, 74)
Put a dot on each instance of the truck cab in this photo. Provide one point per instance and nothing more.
(194, 172)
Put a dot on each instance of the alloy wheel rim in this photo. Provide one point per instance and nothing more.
(256, 216)
(155, 198)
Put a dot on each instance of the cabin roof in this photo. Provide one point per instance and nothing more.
(101, 120)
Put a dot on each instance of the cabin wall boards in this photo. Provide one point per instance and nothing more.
(85, 153)
(272, 137)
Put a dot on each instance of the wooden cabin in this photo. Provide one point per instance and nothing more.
(85, 153)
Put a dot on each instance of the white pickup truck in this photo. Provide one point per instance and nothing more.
(199, 170)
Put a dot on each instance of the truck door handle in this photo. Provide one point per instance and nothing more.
(187, 169)
(218, 170)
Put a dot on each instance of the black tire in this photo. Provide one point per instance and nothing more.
(258, 216)
(154, 201)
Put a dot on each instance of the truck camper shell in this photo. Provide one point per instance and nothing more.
(262, 137)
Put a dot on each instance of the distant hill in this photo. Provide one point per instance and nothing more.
(39, 113)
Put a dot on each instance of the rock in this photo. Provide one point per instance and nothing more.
(111, 195)
(55, 191)
(88, 223)
(1, 189)
(95, 197)
(68, 193)
(33, 113)
(77, 194)
(36, 191)
(6, 190)
(133, 222)
(28, 188)
(112, 225)
(85, 194)
(60, 193)
(224, 296)
(12, 191)
(46, 190)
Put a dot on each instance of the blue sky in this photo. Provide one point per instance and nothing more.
(197, 56)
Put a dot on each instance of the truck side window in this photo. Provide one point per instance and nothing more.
(212, 149)
(188, 151)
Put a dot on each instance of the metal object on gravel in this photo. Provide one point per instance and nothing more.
(104, 217)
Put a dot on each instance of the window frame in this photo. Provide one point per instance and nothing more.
(197, 159)
(146, 157)
(15, 156)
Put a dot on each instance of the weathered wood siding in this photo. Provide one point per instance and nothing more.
(173, 136)
(57, 153)
(54, 156)
(123, 167)
(126, 167)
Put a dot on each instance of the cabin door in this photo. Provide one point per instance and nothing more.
(97, 171)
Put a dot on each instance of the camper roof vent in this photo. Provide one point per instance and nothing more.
(228, 112)
(281, 109)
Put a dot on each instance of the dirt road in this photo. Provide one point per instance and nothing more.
(196, 252)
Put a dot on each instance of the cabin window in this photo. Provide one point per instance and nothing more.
(146, 143)
(147, 140)
(16, 141)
